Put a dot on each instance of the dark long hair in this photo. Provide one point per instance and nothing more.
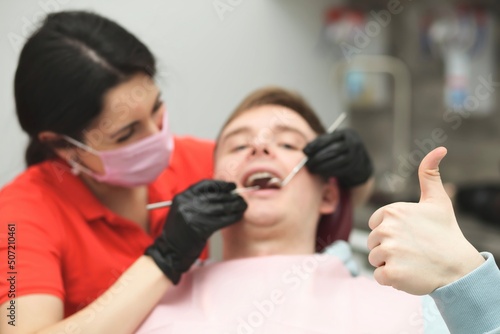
(64, 70)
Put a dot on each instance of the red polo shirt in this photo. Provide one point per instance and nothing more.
(67, 243)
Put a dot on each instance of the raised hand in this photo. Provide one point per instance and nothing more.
(419, 247)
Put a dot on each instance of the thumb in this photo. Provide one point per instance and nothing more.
(431, 186)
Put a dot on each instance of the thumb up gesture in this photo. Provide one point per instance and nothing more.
(419, 247)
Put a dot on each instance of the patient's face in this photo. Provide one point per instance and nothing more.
(267, 142)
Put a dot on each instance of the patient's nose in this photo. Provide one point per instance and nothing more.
(261, 150)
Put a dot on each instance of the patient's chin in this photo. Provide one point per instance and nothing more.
(261, 215)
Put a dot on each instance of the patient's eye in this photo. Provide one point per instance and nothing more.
(239, 148)
(289, 140)
(237, 144)
(288, 146)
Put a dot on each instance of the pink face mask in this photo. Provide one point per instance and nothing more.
(133, 165)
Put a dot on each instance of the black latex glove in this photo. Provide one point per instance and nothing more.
(340, 154)
(194, 215)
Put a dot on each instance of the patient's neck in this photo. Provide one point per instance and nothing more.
(241, 241)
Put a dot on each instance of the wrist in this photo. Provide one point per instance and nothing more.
(175, 258)
(164, 262)
(465, 267)
(154, 273)
(475, 261)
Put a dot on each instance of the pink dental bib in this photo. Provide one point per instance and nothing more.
(282, 294)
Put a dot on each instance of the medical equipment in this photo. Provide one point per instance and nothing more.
(165, 204)
(351, 32)
(464, 37)
(279, 183)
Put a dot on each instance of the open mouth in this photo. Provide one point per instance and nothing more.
(263, 180)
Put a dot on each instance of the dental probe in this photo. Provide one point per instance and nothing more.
(302, 162)
(165, 204)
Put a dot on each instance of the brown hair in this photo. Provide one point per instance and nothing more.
(279, 97)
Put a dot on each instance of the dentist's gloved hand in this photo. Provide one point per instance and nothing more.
(340, 154)
(194, 215)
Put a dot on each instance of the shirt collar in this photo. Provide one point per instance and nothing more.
(72, 189)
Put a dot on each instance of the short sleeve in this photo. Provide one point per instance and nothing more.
(30, 244)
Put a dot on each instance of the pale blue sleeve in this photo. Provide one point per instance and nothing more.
(468, 306)
(431, 317)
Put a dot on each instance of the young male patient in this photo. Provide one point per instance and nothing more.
(271, 280)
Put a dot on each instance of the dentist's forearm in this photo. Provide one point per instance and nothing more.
(123, 307)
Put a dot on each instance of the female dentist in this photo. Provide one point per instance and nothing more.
(85, 256)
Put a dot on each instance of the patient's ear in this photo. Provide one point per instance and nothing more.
(330, 197)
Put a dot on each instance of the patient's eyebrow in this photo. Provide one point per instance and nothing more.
(237, 131)
(286, 128)
(277, 128)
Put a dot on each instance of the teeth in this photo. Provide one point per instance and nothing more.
(258, 176)
(274, 182)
